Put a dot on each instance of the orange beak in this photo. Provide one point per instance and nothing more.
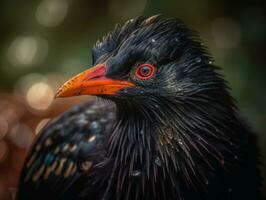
(92, 82)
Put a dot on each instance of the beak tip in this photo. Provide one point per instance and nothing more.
(59, 93)
(56, 96)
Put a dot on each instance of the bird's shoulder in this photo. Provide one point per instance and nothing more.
(67, 147)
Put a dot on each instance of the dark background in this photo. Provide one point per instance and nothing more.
(42, 43)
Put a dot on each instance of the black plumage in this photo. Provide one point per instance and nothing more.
(174, 133)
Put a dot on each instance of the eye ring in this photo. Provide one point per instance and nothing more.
(145, 71)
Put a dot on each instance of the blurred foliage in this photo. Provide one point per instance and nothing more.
(44, 42)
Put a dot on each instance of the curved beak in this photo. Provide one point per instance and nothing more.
(92, 82)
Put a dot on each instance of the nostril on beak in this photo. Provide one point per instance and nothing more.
(99, 72)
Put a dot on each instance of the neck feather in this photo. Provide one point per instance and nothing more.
(169, 142)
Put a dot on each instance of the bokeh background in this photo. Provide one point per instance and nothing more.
(44, 42)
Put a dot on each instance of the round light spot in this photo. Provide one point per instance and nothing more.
(226, 33)
(51, 13)
(21, 135)
(10, 114)
(40, 96)
(27, 51)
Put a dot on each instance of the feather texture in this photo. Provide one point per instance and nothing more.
(177, 135)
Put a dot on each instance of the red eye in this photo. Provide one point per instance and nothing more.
(145, 71)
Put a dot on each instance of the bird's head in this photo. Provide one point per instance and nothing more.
(160, 69)
(144, 60)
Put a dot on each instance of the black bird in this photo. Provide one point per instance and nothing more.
(167, 128)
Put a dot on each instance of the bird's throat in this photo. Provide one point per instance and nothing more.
(144, 148)
(156, 146)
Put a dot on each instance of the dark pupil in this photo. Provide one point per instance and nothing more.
(145, 71)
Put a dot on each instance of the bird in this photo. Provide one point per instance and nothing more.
(162, 125)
